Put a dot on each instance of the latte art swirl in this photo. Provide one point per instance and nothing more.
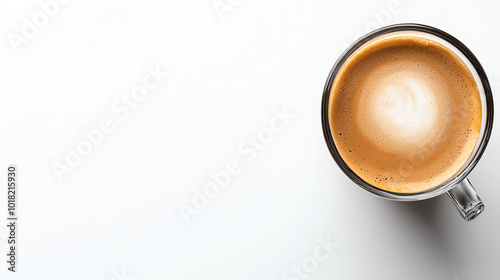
(404, 109)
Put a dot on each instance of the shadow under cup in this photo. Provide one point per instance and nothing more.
(458, 186)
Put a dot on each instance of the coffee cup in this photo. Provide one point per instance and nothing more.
(412, 130)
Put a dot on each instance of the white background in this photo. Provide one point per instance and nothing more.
(116, 215)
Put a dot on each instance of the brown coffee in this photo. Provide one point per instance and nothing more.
(405, 113)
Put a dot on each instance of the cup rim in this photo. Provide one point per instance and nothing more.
(457, 178)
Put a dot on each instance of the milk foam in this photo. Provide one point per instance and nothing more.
(404, 108)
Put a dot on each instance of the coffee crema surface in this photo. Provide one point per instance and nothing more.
(405, 113)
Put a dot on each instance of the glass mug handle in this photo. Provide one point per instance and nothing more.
(465, 197)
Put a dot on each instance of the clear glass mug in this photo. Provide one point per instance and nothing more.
(458, 186)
